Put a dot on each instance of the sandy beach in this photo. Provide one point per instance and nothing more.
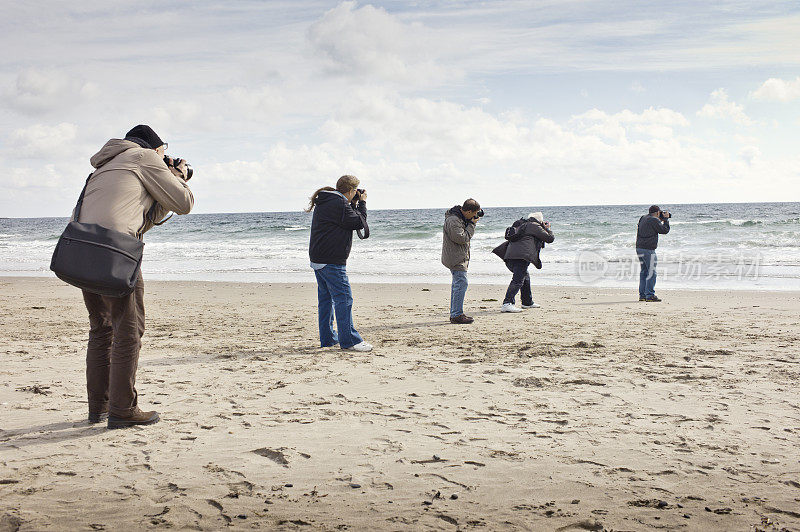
(595, 412)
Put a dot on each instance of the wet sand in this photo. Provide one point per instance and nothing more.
(595, 412)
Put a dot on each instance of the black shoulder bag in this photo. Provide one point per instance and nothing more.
(96, 259)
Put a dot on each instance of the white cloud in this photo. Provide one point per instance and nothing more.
(721, 107)
(241, 108)
(439, 95)
(369, 44)
(46, 176)
(593, 153)
(749, 154)
(778, 90)
(37, 91)
(43, 141)
(402, 144)
(652, 122)
(258, 101)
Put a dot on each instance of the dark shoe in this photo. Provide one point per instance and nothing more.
(137, 418)
(461, 320)
(653, 299)
(98, 417)
(642, 298)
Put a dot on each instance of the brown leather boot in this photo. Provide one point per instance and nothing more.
(136, 418)
(462, 320)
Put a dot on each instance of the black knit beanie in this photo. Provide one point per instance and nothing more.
(144, 136)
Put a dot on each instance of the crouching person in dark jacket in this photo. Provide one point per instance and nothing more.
(532, 233)
(337, 213)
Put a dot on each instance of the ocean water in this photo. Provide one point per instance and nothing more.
(716, 246)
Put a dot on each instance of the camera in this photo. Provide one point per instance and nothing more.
(480, 214)
(665, 215)
(175, 162)
(359, 192)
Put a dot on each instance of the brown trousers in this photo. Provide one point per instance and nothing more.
(115, 337)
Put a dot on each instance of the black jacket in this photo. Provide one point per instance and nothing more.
(332, 227)
(534, 235)
(649, 229)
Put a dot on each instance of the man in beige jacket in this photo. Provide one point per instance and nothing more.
(131, 190)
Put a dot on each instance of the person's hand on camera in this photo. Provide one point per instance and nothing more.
(181, 168)
(546, 225)
(362, 196)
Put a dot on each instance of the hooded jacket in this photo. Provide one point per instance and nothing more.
(527, 247)
(456, 236)
(332, 226)
(132, 189)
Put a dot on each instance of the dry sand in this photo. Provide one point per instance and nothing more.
(594, 412)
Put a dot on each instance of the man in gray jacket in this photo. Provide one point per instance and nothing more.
(131, 190)
(459, 226)
(519, 254)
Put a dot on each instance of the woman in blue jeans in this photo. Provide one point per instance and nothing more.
(337, 213)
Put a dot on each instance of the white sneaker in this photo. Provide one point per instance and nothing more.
(363, 347)
(509, 307)
(532, 305)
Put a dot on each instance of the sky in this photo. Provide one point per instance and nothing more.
(513, 103)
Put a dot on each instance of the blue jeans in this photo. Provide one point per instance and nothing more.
(333, 291)
(520, 281)
(647, 275)
(457, 292)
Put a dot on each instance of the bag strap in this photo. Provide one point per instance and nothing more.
(151, 215)
(365, 234)
(78, 205)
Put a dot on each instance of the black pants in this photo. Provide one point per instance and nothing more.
(520, 281)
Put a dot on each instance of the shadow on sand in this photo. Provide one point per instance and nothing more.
(50, 433)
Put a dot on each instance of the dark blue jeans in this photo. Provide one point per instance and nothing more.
(335, 296)
(647, 275)
(520, 282)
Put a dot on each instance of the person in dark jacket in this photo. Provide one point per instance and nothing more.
(519, 254)
(655, 223)
(337, 213)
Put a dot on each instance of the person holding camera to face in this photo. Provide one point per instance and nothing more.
(337, 213)
(134, 186)
(525, 239)
(459, 227)
(655, 223)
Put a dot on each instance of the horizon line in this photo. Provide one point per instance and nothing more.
(489, 207)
